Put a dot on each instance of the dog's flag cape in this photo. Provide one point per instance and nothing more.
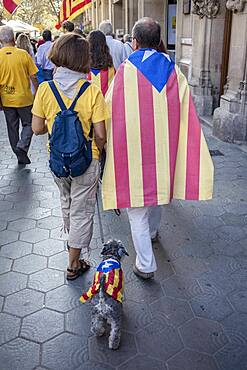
(102, 78)
(156, 150)
(114, 281)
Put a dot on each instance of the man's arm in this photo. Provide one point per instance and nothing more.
(100, 134)
(39, 126)
(35, 82)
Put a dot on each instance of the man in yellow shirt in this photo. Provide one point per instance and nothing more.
(16, 70)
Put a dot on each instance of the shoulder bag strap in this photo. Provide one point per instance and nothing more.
(72, 107)
(57, 95)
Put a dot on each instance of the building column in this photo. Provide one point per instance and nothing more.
(207, 36)
(93, 16)
(230, 119)
(140, 9)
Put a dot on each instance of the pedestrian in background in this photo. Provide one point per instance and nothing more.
(127, 40)
(23, 42)
(116, 47)
(102, 70)
(156, 150)
(70, 54)
(16, 70)
(67, 27)
(43, 61)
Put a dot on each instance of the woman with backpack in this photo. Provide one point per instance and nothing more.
(102, 70)
(73, 112)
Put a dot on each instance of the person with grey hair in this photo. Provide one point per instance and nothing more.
(116, 47)
(128, 45)
(16, 70)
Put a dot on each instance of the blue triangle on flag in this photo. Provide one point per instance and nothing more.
(95, 71)
(155, 66)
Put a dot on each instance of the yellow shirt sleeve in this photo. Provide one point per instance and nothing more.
(99, 110)
(32, 69)
(38, 109)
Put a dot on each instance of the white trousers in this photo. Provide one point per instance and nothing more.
(144, 223)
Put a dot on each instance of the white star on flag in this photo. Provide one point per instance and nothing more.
(148, 54)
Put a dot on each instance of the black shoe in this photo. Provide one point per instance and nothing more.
(22, 156)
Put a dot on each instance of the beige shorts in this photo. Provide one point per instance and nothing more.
(78, 198)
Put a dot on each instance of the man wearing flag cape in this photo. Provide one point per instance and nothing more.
(156, 150)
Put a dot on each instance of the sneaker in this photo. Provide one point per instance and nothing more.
(143, 275)
(22, 156)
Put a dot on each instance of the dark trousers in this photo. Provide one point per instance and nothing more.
(13, 117)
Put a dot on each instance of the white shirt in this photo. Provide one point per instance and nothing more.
(42, 59)
(117, 51)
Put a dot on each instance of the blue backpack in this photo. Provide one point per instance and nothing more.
(70, 151)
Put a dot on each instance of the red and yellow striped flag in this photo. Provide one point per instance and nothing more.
(156, 150)
(70, 9)
(102, 78)
(10, 6)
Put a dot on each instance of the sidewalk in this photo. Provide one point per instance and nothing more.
(192, 316)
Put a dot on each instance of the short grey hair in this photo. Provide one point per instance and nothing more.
(106, 27)
(6, 35)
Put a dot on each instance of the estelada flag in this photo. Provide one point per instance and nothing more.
(102, 78)
(113, 281)
(156, 150)
(10, 6)
(70, 9)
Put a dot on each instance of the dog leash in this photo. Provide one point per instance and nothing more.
(100, 221)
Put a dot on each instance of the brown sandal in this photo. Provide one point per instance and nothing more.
(75, 273)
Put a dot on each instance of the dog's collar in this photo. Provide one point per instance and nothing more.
(108, 265)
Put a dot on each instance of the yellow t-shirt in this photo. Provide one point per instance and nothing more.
(16, 67)
(91, 108)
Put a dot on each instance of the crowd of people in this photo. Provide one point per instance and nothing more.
(116, 112)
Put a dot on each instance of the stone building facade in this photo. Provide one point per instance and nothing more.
(208, 39)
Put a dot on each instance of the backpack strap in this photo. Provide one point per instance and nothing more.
(80, 92)
(57, 95)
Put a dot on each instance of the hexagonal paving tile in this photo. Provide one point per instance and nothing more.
(78, 320)
(42, 325)
(203, 335)
(192, 360)
(65, 350)
(3, 225)
(174, 310)
(48, 247)
(19, 354)
(30, 263)
(24, 302)
(59, 261)
(22, 224)
(190, 266)
(181, 287)
(141, 362)
(239, 300)
(143, 291)
(98, 349)
(10, 327)
(135, 316)
(64, 298)
(7, 236)
(46, 280)
(5, 205)
(94, 365)
(37, 213)
(11, 215)
(34, 235)
(211, 306)
(11, 282)
(16, 250)
(1, 303)
(229, 233)
(217, 282)
(58, 234)
(50, 222)
(160, 339)
(5, 265)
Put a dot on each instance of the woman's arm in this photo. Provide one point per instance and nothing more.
(39, 126)
(100, 134)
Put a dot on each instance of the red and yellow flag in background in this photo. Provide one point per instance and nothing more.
(70, 9)
(10, 6)
(102, 78)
